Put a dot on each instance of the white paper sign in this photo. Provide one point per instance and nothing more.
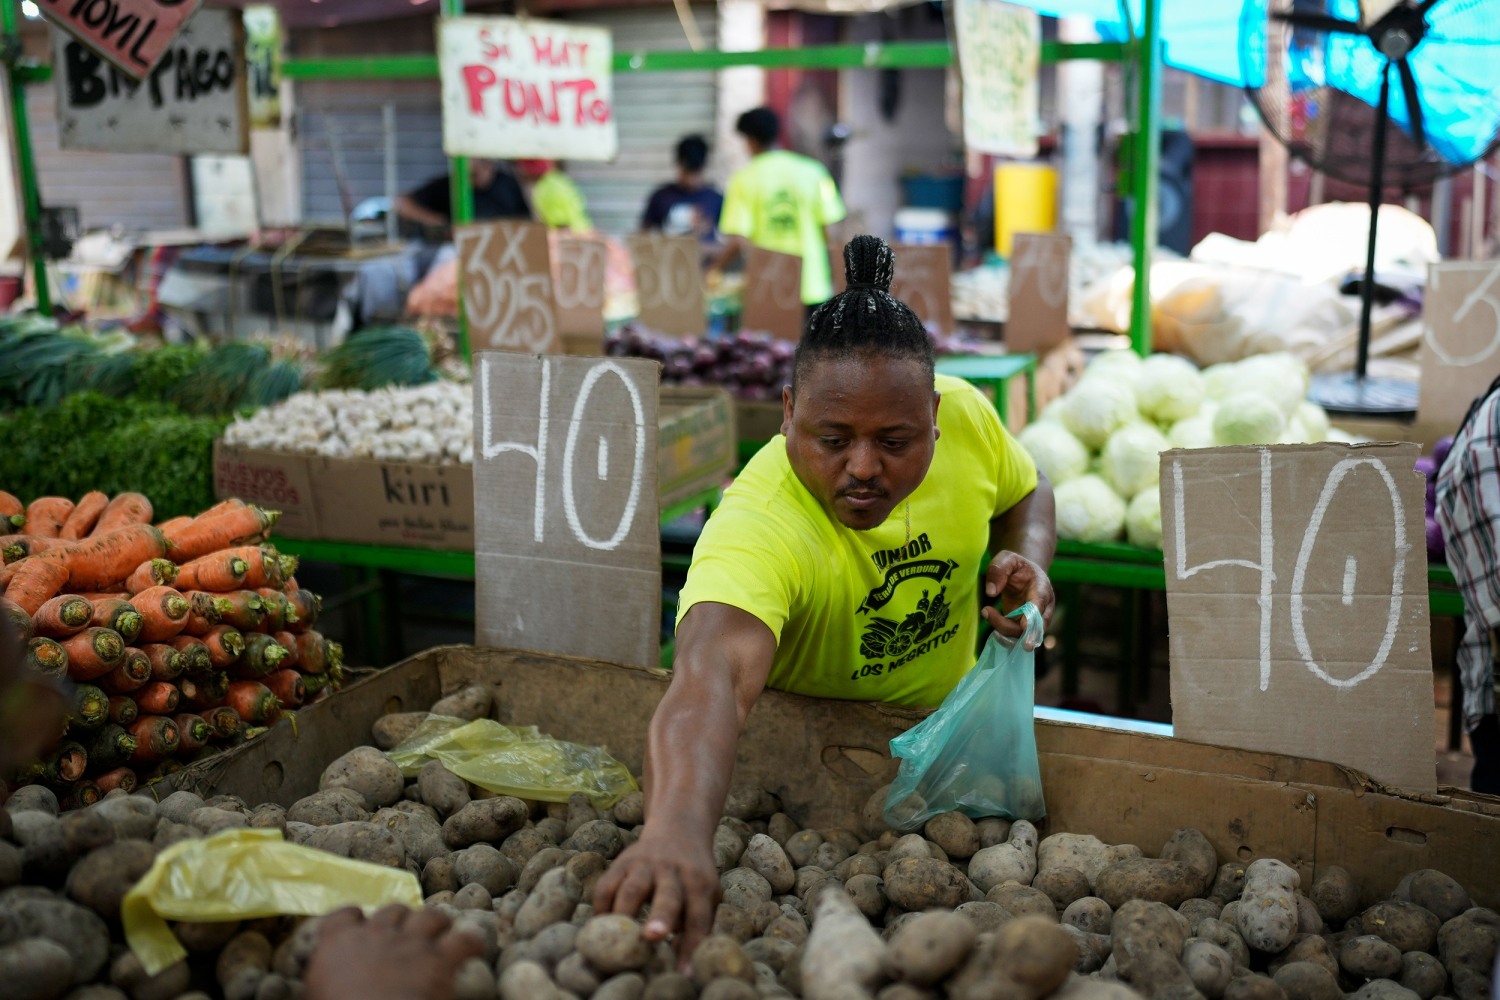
(193, 101)
(526, 88)
(999, 50)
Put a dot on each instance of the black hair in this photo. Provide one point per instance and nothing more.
(865, 319)
(759, 124)
(692, 153)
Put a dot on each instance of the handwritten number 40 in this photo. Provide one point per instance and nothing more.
(1265, 562)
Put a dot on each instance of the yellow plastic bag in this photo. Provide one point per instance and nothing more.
(515, 761)
(245, 874)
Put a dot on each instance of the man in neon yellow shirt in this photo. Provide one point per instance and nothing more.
(780, 201)
(843, 563)
(554, 197)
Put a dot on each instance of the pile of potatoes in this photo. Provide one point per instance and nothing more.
(967, 910)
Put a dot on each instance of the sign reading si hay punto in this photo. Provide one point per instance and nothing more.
(526, 88)
(1297, 592)
(194, 101)
(132, 34)
(567, 547)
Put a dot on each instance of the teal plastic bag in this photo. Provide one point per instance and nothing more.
(977, 753)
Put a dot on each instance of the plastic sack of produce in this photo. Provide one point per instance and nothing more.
(244, 875)
(517, 761)
(977, 753)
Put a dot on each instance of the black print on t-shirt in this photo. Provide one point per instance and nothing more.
(890, 643)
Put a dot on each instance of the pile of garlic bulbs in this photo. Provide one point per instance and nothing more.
(432, 423)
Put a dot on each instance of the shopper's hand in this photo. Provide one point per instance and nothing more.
(1013, 580)
(677, 878)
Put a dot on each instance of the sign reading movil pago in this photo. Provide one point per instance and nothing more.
(521, 87)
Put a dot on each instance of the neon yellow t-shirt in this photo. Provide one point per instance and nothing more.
(880, 615)
(559, 203)
(781, 201)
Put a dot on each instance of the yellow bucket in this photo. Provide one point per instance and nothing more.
(1025, 202)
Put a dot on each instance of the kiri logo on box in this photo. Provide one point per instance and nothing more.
(411, 491)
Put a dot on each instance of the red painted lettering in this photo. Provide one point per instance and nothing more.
(488, 48)
(478, 79)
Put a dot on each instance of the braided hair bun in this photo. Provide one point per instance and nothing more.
(865, 319)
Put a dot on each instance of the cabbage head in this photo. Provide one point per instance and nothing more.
(1168, 388)
(1123, 365)
(1280, 377)
(1058, 454)
(1196, 431)
(1219, 380)
(1097, 407)
(1143, 519)
(1248, 418)
(1088, 510)
(1314, 419)
(1131, 462)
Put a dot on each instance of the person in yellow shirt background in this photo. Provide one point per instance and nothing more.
(555, 199)
(844, 562)
(780, 201)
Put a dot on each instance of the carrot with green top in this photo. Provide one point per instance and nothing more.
(62, 616)
(46, 657)
(255, 703)
(110, 747)
(315, 653)
(207, 611)
(262, 565)
(62, 766)
(225, 645)
(125, 509)
(45, 516)
(122, 778)
(280, 613)
(262, 655)
(151, 573)
(85, 515)
(119, 614)
(218, 572)
(288, 642)
(35, 582)
(193, 731)
(100, 561)
(156, 737)
(224, 507)
(287, 686)
(225, 529)
(308, 606)
(167, 664)
(206, 690)
(123, 710)
(164, 612)
(195, 655)
(12, 512)
(131, 675)
(246, 610)
(172, 524)
(90, 708)
(224, 721)
(14, 548)
(93, 652)
(158, 698)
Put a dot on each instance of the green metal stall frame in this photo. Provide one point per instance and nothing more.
(1144, 50)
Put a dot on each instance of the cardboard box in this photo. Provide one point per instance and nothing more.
(757, 423)
(432, 506)
(696, 443)
(825, 758)
(394, 503)
(271, 479)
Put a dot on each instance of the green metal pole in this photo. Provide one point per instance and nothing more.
(1145, 159)
(31, 196)
(461, 201)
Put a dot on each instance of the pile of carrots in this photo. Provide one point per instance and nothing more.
(179, 638)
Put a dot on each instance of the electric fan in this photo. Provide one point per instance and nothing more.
(1331, 78)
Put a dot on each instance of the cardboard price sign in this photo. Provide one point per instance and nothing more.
(526, 88)
(507, 287)
(1297, 598)
(578, 291)
(132, 34)
(1460, 338)
(194, 100)
(1038, 317)
(773, 293)
(567, 546)
(668, 284)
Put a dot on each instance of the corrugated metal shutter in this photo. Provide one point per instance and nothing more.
(135, 190)
(654, 111)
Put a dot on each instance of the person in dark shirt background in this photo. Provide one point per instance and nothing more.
(497, 195)
(688, 206)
